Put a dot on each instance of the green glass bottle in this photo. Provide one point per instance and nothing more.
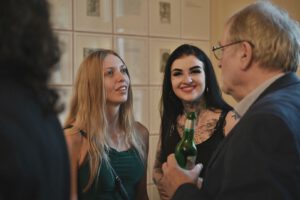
(186, 151)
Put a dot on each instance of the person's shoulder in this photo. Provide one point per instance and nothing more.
(73, 136)
(230, 121)
(141, 129)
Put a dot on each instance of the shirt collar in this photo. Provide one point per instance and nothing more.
(242, 107)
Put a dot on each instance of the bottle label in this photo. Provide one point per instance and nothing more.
(190, 162)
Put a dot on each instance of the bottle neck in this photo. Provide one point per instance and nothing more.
(189, 129)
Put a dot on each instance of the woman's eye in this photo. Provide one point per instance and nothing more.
(109, 73)
(196, 71)
(124, 70)
(176, 73)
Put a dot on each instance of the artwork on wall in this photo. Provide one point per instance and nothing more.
(61, 14)
(160, 50)
(134, 51)
(93, 15)
(164, 18)
(164, 55)
(85, 43)
(63, 73)
(131, 17)
(165, 12)
(195, 12)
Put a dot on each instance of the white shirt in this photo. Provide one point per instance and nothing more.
(242, 107)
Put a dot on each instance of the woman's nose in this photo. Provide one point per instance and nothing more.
(187, 79)
(121, 76)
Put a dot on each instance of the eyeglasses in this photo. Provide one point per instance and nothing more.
(218, 49)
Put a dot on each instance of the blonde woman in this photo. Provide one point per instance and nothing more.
(103, 138)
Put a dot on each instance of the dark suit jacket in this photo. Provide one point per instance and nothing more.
(34, 161)
(260, 158)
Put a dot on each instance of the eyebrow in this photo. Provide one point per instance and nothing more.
(112, 67)
(191, 68)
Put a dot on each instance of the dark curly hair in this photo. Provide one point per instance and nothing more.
(28, 48)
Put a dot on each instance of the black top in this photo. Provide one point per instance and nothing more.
(204, 149)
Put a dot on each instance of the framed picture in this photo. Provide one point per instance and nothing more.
(93, 15)
(141, 104)
(195, 19)
(154, 120)
(63, 74)
(160, 49)
(131, 17)
(65, 94)
(86, 43)
(61, 14)
(164, 18)
(134, 51)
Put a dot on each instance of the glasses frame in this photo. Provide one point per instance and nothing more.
(219, 47)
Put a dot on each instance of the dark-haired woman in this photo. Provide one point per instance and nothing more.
(190, 85)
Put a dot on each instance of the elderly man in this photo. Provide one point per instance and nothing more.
(260, 159)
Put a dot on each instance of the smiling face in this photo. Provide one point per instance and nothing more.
(116, 80)
(188, 78)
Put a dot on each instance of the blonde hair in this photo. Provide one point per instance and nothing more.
(274, 35)
(87, 113)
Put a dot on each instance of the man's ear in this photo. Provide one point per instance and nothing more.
(246, 55)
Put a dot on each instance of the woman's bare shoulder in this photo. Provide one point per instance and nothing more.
(231, 120)
(141, 129)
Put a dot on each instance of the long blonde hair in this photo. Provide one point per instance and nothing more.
(87, 113)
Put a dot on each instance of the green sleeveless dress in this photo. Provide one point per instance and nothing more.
(127, 165)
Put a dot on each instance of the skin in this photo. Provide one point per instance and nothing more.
(116, 84)
(188, 79)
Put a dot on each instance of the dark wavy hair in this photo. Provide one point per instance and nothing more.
(29, 49)
(171, 106)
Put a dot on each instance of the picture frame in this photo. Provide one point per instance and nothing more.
(61, 14)
(141, 104)
(134, 51)
(88, 42)
(195, 12)
(93, 15)
(164, 19)
(131, 17)
(63, 74)
(158, 47)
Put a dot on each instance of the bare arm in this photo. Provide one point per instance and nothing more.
(142, 185)
(230, 121)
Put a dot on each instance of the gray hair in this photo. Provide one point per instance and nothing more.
(274, 35)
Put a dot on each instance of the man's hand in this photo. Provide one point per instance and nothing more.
(174, 175)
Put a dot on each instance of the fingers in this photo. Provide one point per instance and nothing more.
(164, 167)
(197, 169)
(199, 182)
(171, 159)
